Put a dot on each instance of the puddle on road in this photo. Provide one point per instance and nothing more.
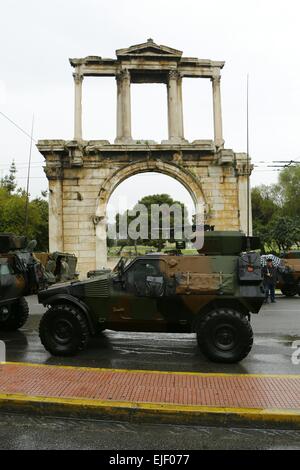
(270, 342)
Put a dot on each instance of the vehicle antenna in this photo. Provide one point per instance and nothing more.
(28, 177)
(248, 170)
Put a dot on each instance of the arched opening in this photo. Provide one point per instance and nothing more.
(141, 189)
(140, 179)
(134, 188)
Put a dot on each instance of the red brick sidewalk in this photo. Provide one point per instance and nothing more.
(254, 392)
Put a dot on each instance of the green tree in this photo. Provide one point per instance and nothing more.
(289, 184)
(12, 212)
(285, 231)
(9, 181)
(266, 205)
(160, 200)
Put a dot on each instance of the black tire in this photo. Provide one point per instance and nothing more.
(224, 335)
(64, 330)
(290, 291)
(13, 316)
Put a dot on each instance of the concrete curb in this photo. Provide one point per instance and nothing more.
(150, 412)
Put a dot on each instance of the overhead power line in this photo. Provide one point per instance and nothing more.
(17, 126)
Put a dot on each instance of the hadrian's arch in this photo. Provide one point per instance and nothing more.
(82, 174)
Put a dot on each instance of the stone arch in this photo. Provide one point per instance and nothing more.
(175, 170)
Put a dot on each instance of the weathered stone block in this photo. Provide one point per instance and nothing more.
(70, 224)
(86, 253)
(71, 231)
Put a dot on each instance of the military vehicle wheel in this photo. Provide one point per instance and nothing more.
(290, 291)
(224, 335)
(13, 316)
(64, 330)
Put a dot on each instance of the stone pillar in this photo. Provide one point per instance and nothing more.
(218, 133)
(123, 107)
(56, 235)
(180, 107)
(173, 112)
(78, 106)
(101, 245)
(119, 109)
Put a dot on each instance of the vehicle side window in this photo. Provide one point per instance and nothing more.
(146, 279)
(4, 269)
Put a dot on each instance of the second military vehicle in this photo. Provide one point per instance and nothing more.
(211, 294)
(20, 275)
(289, 276)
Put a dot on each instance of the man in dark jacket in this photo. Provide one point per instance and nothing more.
(270, 278)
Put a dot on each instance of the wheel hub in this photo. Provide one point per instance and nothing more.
(62, 331)
(224, 337)
(4, 314)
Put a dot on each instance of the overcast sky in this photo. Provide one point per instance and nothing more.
(259, 37)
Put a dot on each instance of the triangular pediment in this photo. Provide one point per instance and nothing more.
(149, 48)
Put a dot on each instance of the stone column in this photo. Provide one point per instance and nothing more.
(56, 235)
(78, 106)
(119, 109)
(123, 107)
(126, 99)
(218, 134)
(173, 113)
(101, 244)
(180, 106)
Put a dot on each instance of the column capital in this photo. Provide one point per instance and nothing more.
(174, 75)
(78, 77)
(216, 79)
(123, 74)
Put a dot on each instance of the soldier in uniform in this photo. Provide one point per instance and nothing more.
(270, 278)
(64, 270)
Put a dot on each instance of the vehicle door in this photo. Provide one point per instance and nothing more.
(144, 285)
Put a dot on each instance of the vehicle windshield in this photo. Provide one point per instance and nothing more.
(122, 264)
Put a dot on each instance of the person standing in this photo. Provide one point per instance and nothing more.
(270, 278)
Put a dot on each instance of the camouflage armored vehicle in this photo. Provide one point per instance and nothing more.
(289, 277)
(212, 294)
(58, 266)
(20, 275)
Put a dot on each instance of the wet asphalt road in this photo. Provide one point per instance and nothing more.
(26, 432)
(275, 328)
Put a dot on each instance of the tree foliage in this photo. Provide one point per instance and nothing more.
(135, 216)
(276, 211)
(289, 182)
(8, 182)
(12, 211)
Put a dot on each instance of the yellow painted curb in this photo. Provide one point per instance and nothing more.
(184, 412)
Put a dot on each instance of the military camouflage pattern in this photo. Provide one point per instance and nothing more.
(289, 277)
(58, 266)
(20, 275)
(164, 293)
